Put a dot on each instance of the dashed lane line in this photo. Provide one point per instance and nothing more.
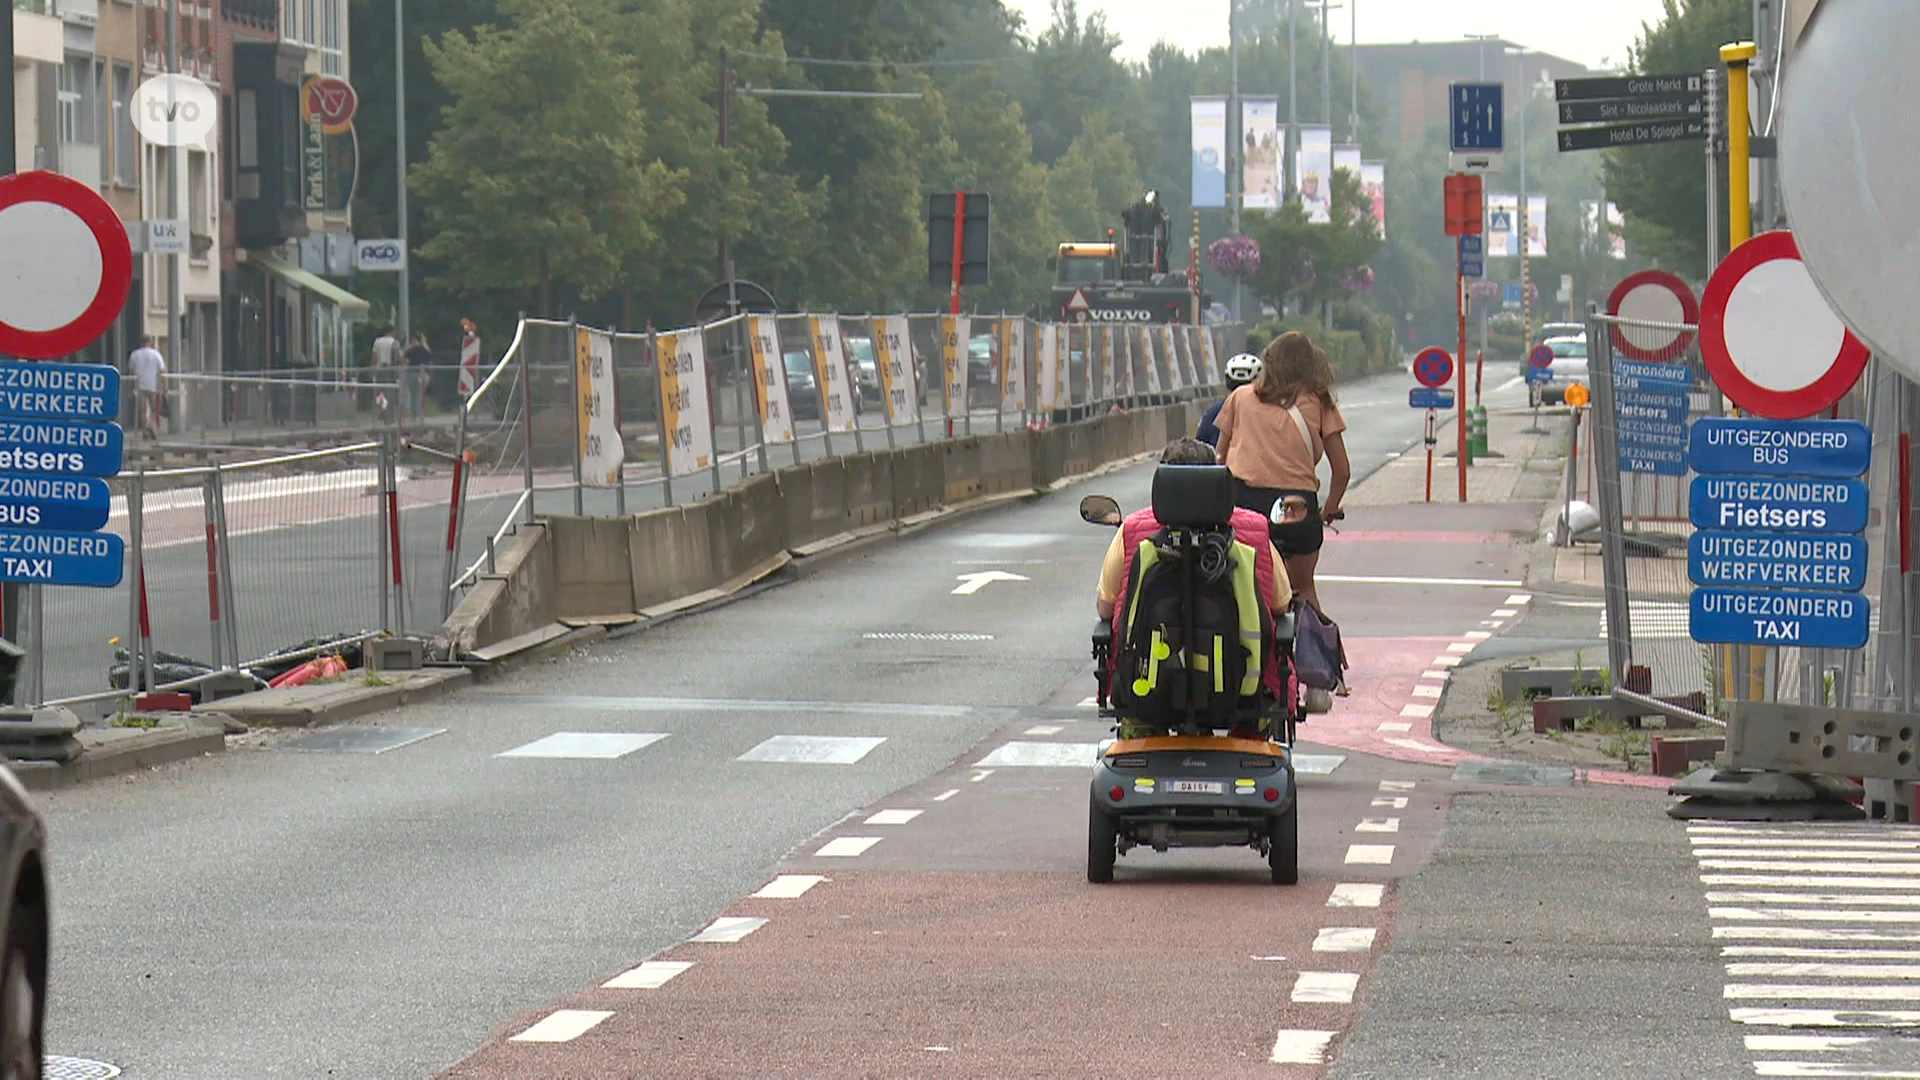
(788, 886)
(651, 975)
(1369, 855)
(893, 817)
(1302, 1047)
(846, 847)
(728, 929)
(1344, 939)
(1325, 987)
(562, 1025)
(1357, 894)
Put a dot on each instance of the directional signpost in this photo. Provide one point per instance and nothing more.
(1631, 110)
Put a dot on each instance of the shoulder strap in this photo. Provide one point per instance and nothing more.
(1300, 422)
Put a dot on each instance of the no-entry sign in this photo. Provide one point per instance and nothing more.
(1432, 366)
(1768, 336)
(1653, 296)
(65, 265)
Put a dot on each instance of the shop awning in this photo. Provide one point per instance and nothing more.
(350, 306)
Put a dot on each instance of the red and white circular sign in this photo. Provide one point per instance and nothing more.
(65, 265)
(1652, 296)
(1770, 340)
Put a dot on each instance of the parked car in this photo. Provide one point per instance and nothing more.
(803, 398)
(1546, 332)
(23, 967)
(1569, 367)
(866, 373)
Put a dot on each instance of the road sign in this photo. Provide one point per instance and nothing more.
(1465, 204)
(1650, 406)
(1819, 563)
(332, 100)
(1653, 444)
(1749, 447)
(1541, 356)
(1768, 336)
(1430, 397)
(1808, 620)
(1656, 107)
(36, 557)
(1653, 378)
(1078, 302)
(59, 391)
(65, 266)
(1473, 256)
(1432, 366)
(1476, 114)
(1790, 505)
(469, 361)
(974, 240)
(380, 255)
(1513, 296)
(1658, 131)
(75, 503)
(60, 447)
(1654, 296)
(165, 237)
(1625, 86)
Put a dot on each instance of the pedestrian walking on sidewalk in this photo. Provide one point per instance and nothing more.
(1273, 433)
(149, 371)
(414, 379)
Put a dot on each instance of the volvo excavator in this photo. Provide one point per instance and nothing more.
(1125, 277)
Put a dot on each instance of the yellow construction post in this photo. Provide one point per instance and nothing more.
(1739, 230)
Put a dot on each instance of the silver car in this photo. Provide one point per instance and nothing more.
(1569, 367)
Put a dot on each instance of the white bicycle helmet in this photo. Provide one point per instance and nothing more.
(1243, 368)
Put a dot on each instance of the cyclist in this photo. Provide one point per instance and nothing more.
(1241, 370)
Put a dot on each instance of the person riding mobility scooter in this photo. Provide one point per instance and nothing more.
(1194, 669)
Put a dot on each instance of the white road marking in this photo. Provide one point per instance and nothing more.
(1850, 847)
(1809, 898)
(1803, 865)
(814, 749)
(1831, 1069)
(651, 975)
(1476, 635)
(1424, 691)
(1819, 915)
(1807, 933)
(789, 886)
(1823, 971)
(1344, 939)
(1325, 987)
(1416, 744)
(1841, 881)
(1298, 1047)
(1369, 854)
(1388, 824)
(923, 635)
(1510, 383)
(979, 776)
(846, 847)
(1816, 952)
(1516, 599)
(1446, 661)
(1824, 1017)
(893, 817)
(1506, 612)
(1441, 674)
(1043, 729)
(1090, 703)
(1461, 647)
(1812, 1043)
(1393, 802)
(597, 745)
(1357, 894)
(1416, 710)
(1397, 785)
(1711, 849)
(947, 794)
(728, 929)
(1317, 764)
(562, 1025)
(1493, 623)
(974, 582)
(1018, 754)
(1352, 579)
(1793, 992)
(1398, 727)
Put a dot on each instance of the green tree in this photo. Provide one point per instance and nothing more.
(1661, 190)
(1092, 182)
(539, 176)
(1308, 262)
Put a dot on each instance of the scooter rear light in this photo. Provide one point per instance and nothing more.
(1116, 793)
(1272, 794)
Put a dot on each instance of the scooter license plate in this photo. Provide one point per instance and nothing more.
(1196, 787)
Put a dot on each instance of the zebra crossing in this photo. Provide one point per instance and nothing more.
(1819, 928)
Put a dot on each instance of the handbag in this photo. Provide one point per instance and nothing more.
(1319, 659)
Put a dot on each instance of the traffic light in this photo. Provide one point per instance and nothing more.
(973, 239)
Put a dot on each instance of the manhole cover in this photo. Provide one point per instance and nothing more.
(1513, 773)
(361, 739)
(73, 1068)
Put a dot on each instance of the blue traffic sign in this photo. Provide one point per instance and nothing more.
(1541, 356)
(1513, 294)
(1816, 563)
(95, 560)
(1429, 397)
(1473, 266)
(1472, 246)
(76, 503)
(1432, 366)
(59, 391)
(1828, 448)
(62, 447)
(1809, 620)
(1477, 115)
(1764, 504)
(1634, 375)
(1648, 407)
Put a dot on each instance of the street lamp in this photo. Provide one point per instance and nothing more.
(1483, 39)
(400, 147)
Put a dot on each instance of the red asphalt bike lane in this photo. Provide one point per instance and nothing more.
(948, 930)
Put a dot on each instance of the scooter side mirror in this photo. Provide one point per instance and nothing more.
(1100, 510)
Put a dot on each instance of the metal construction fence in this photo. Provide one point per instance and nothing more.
(1642, 498)
(243, 569)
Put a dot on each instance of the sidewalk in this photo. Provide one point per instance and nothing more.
(1529, 470)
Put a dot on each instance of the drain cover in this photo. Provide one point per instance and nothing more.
(361, 739)
(1513, 773)
(73, 1068)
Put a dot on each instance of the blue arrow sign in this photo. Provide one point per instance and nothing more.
(1836, 448)
(1423, 397)
(76, 503)
(94, 560)
(59, 391)
(65, 447)
(1477, 113)
(1821, 563)
(1808, 620)
(1755, 504)
(1513, 295)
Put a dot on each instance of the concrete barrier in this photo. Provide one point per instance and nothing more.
(960, 469)
(518, 598)
(593, 574)
(671, 550)
(919, 483)
(870, 491)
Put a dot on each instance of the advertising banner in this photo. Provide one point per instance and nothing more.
(1209, 153)
(830, 368)
(955, 335)
(1373, 180)
(1260, 175)
(1315, 169)
(1013, 364)
(601, 449)
(770, 378)
(1536, 226)
(899, 375)
(683, 402)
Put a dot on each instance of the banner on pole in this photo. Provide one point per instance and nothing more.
(1260, 164)
(685, 417)
(899, 375)
(770, 377)
(602, 451)
(1209, 117)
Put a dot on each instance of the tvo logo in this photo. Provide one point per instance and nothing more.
(379, 255)
(175, 110)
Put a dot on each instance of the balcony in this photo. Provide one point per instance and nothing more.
(37, 36)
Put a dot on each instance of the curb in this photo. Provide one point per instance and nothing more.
(332, 703)
(122, 755)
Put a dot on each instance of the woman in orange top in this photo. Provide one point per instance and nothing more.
(1273, 433)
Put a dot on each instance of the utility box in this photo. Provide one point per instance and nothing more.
(395, 654)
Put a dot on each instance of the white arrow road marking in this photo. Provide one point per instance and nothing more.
(973, 583)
